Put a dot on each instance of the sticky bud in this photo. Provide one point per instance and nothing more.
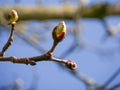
(59, 32)
(13, 17)
(71, 65)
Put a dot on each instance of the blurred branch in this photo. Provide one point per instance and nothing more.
(30, 42)
(35, 81)
(18, 84)
(115, 86)
(68, 12)
(108, 32)
(112, 77)
(88, 82)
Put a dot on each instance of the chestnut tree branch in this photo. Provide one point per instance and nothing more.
(53, 47)
(45, 57)
(28, 60)
(58, 35)
(9, 42)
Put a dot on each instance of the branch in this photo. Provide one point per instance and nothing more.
(67, 12)
(27, 60)
(115, 86)
(45, 57)
(9, 42)
(58, 35)
(13, 17)
(117, 72)
(29, 41)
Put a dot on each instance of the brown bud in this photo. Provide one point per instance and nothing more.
(59, 32)
(71, 65)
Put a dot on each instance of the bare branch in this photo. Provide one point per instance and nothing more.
(29, 41)
(115, 86)
(9, 42)
(61, 28)
(112, 77)
(53, 47)
(45, 57)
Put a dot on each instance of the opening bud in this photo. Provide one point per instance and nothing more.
(13, 17)
(71, 65)
(59, 32)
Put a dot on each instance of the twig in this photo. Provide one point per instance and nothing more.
(9, 42)
(107, 31)
(53, 47)
(112, 77)
(31, 60)
(115, 86)
(28, 40)
(45, 57)
(59, 34)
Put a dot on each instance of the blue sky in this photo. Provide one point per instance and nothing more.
(50, 76)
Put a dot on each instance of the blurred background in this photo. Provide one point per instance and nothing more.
(92, 41)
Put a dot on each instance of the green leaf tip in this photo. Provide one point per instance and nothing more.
(59, 32)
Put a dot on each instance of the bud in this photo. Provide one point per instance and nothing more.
(13, 17)
(59, 32)
(71, 65)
